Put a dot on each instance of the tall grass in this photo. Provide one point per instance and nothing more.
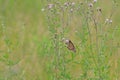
(95, 44)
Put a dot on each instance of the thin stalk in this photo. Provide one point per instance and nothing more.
(97, 46)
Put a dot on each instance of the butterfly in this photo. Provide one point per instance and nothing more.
(70, 45)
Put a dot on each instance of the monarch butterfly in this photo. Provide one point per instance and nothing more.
(70, 45)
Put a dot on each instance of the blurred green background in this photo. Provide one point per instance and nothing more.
(23, 31)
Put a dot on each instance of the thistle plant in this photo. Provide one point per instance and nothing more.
(93, 33)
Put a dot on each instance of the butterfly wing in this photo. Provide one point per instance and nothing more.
(71, 46)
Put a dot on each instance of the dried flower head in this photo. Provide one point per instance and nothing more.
(73, 3)
(71, 10)
(90, 5)
(66, 41)
(94, 1)
(66, 4)
(50, 6)
(108, 21)
(42, 9)
(99, 9)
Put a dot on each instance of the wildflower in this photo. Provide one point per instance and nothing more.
(99, 9)
(50, 6)
(71, 10)
(42, 9)
(94, 1)
(66, 4)
(90, 5)
(73, 3)
(66, 41)
(108, 21)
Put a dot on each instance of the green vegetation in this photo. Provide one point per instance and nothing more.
(31, 46)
